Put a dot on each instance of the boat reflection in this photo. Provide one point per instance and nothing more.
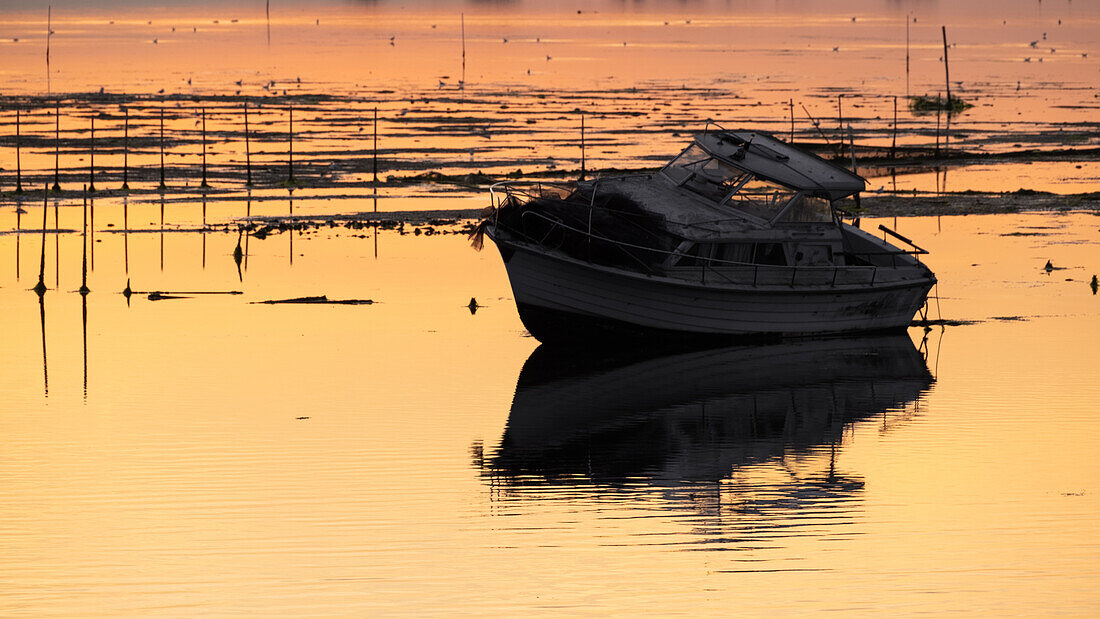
(698, 417)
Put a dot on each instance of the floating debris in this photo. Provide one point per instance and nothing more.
(324, 300)
(160, 296)
(943, 322)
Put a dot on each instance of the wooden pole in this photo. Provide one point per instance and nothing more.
(937, 133)
(894, 143)
(126, 152)
(91, 163)
(204, 184)
(49, 33)
(792, 121)
(18, 164)
(840, 116)
(946, 70)
(582, 147)
(57, 145)
(162, 185)
(84, 243)
(852, 148)
(374, 151)
(907, 56)
(247, 149)
(290, 161)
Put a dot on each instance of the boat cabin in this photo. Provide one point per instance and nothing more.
(782, 197)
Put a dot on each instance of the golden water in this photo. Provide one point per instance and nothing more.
(211, 455)
(180, 479)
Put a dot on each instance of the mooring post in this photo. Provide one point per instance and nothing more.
(946, 69)
(840, 116)
(290, 161)
(907, 57)
(18, 164)
(162, 185)
(126, 151)
(792, 121)
(894, 143)
(57, 145)
(374, 152)
(91, 162)
(583, 163)
(203, 184)
(247, 149)
(937, 133)
(84, 244)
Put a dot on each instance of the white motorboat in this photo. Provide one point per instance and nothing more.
(741, 235)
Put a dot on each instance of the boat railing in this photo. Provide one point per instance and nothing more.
(727, 271)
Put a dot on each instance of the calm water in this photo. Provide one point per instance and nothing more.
(155, 461)
(213, 455)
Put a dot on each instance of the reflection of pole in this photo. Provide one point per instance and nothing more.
(462, 83)
(45, 368)
(56, 247)
(84, 329)
(126, 234)
(40, 287)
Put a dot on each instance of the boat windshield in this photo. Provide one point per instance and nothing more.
(761, 198)
(703, 173)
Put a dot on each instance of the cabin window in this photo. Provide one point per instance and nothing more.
(718, 254)
(809, 209)
(735, 252)
(813, 255)
(761, 198)
(770, 253)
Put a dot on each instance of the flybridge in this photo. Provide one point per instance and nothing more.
(767, 156)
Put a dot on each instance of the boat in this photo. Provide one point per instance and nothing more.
(739, 236)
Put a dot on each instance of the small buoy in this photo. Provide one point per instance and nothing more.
(1049, 267)
(1094, 284)
(473, 305)
(126, 292)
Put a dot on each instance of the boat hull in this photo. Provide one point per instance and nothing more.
(565, 300)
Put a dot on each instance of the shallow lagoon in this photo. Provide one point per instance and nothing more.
(209, 454)
(951, 470)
